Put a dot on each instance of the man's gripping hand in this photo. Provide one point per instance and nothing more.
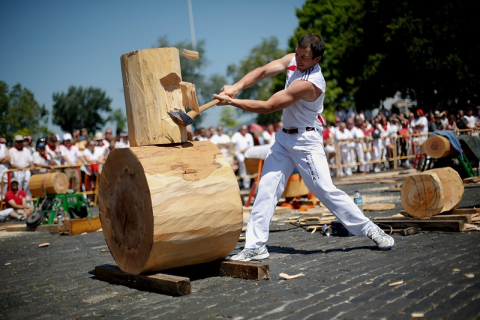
(225, 100)
(230, 90)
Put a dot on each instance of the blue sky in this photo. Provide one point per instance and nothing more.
(50, 45)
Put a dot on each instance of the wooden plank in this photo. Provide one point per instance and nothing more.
(430, 225)
(77, 226)
(245, 270)
(160, 283)
(466, 218)
(42, 228)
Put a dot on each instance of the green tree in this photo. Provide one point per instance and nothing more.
(229, 116)
(118, 118)
(375, 49)
(20, 113)
(260, 55)
(81, 108)
(193, 72)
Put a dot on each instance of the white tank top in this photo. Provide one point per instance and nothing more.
(304, 113)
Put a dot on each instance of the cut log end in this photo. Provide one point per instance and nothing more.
(437, 147)
(422, 195)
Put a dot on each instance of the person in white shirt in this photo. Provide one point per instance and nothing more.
(359, 145)
(53, 149)
(21, 158)
(269, 134)
(41, 158)
(223, 142)
(71, 156)
(203, 135)
(342, 134)
(420, 126)
(124, 142)
(4, 164)
(100, 143)
(242, 141)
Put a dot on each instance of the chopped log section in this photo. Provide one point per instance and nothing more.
(151, 83)
(169, 206)
(431, 192)
(48, 183)
(437, 147)
(422, 195)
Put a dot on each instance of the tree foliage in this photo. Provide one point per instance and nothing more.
(193, 72)
(118, 118)
(260, 55)
(81, 108)
(229, 116)
(375, 49)
(20, 113)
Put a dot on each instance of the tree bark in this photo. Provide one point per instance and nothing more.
(169, 206)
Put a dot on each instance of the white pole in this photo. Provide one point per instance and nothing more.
(192, 27)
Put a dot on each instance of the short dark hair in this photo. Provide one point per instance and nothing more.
(313, 41)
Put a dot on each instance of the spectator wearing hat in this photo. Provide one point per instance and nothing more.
(71, 156)
(100, 142)
(17, 200)
(41, 158)
(4, 163)
(21, 159)
(437, 124)
(123, 143)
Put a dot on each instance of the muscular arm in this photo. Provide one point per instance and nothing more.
(251, 78)
(280, 100)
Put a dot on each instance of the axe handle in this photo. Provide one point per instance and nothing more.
(192, 114)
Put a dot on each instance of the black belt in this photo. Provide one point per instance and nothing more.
(295, 130)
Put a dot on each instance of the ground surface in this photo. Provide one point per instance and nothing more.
(344, 277)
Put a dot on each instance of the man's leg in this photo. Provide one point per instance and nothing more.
(312, 164)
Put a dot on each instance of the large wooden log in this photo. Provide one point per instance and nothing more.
(437, 147)
(169, 206)
(431, 192)
(151, 83)
(48, 183)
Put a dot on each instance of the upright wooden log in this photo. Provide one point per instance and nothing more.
(437, 147)
(169, 206)
(431, 192)
(48, 183)
(151, 83)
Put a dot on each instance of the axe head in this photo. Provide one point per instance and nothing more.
(180, 117)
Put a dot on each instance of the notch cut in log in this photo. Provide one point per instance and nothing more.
(437, 147)
(431, 192)
(163, 207)
(189, 96)
(48, 183)
(151, 84)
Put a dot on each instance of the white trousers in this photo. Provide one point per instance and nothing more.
(304, 151)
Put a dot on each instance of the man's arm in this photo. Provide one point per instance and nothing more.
(251, 78)
(280, 100)
(5, 159)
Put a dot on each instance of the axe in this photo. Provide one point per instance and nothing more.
(184, 119)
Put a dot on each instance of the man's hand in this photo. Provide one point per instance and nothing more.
(230, 91)
(224, 99)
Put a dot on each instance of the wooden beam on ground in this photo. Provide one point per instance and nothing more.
(425, 225)
(245, 270)
(160, 283)
(77, 226)
(42, 228)
(466, 218)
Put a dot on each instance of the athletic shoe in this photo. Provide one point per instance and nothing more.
(383, 240)
(21, 218)
(251, 254)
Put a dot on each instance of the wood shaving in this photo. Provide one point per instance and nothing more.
(469, 275)
(189, 54)
(396, 283)
(288, 277)
(43, 245)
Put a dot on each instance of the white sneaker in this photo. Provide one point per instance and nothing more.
(251, 254)
(382, 240)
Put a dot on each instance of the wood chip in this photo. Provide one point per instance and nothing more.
(369, 282)
(456, 270)
(417, 315)
(104, 250)
(241, 239)
(45, 244)
(396, 283)
(469, 275)
(7, 263)
(287, 277)
(189, 54)
(83, 233)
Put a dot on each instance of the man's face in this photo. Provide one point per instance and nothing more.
(19, 144)
(68, 142)
(243, 130)
(220, 130)
(108, 134)
(203, 132)
(304, 58)
(14, 186)
(3, 140)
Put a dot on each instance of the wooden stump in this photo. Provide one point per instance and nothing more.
(168, 206)
(437, 147)
(295, 187)
(431, 192)
(48, 183)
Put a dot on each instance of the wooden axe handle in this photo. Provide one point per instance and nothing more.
(192, 114)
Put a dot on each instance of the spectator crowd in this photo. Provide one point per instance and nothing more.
(361, 144)
(77, 154)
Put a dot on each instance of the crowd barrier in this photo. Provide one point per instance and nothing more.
(406, 150)
(8, 174)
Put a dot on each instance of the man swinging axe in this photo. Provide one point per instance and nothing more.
(299, 144)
